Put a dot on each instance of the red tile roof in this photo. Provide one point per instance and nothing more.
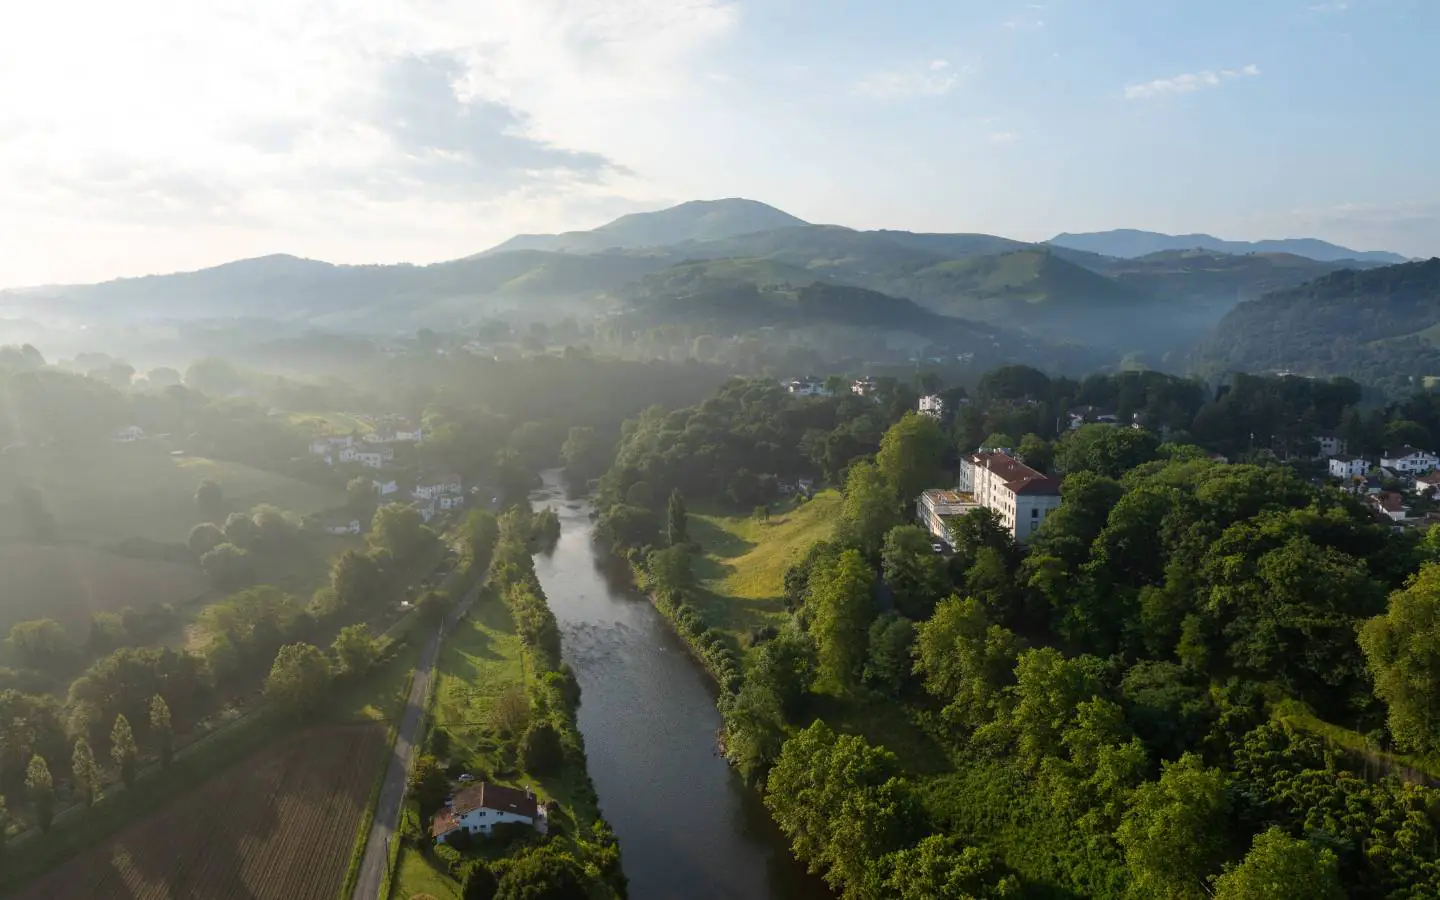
(1018, 477)
(484, 796)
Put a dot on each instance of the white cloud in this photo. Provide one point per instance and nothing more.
(1004, 137)
(1188, 82)
(1335, 6)
(933, 79)
(237, 123)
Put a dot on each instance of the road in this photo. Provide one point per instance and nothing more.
(387, 808)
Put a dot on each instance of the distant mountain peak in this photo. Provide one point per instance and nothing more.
(1131, 243)
(693, 220)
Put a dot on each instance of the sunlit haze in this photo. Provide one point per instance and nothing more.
(158, 135)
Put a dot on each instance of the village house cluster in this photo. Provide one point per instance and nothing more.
(430, 493)
(1392, 484)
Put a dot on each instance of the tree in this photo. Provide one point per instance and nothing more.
(583, 454)
(1174, 833)
(1279, 865)
(841, 608)
(870, 507)
(203, 538)
(41, 788)
(355, 578)
(891, 639)
(209, 500)
(355, 650)
(543, 874)
(966, 660)
(360, 494)
(428, 783)
(912, 454)
(122, 749)
(85, 771)
(840, 802)
(399, 531)
(541, 749)
(915, 574)
(299, 679)
(161, 731)
(1036, 452)
(1049, 689)
(1105, 450)
(479, 882)
(1402, 650)
(675, 523)
(511, 712)
(228, 566)
(41, 644)
(940, 868)
(212, 375)
(480, 533)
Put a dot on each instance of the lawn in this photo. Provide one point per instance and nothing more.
(109, 491)
(330, 422)
(416, 876)
(743, 570)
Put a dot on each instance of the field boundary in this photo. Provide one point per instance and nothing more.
(362, 835)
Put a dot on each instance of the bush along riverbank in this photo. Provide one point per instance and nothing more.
(504, 711)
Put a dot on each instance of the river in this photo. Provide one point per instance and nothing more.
(688, 828)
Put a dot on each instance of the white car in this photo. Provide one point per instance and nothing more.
(467, 777)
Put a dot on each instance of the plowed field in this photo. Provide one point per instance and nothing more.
(281, 824)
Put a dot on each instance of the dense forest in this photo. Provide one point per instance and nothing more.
(1201, 678)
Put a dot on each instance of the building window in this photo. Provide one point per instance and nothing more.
(1034, 512)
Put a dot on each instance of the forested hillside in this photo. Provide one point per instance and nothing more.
(1378, 326)
(1181, 688)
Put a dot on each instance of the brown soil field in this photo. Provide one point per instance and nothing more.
(279, 825)
(69, 583)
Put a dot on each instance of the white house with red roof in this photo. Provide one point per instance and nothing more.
(480, 808)
(1020, 496)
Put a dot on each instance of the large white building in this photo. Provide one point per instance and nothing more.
(480, 808)
(1021, 496)
(936, 508)
(932, 405)
(1408, 459)
(1347, 467)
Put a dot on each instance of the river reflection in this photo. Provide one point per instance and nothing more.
(688, 828)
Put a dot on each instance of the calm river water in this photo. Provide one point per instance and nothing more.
(688, 828)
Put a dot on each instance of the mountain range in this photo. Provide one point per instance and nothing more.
(1138, 291)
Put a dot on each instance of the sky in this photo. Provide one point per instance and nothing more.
(164, 135)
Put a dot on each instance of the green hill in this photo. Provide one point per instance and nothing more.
(1374, 325)
(697, 220)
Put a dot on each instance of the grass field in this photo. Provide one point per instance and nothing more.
(416, 876)
(743, 568)
(69, 584)
(279, 825)
(110, 491)
(482, 657)
(330, 422)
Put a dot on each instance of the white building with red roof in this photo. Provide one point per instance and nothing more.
(480, 808)
(1020, 496)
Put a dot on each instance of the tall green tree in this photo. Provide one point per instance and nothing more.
(1173, 836)
(1402, 650)
(122, 749)
(161, 731)
(398, 530)
(841, 607)
(355, 650)
(299, 679)
(912, 454)
(41, 644)
(915, 574)
(41, 789)
(966, 659)
(676, 526)
(871, 508)
(940, 868)
(85, 771)
(888, 666)
(210, 500)
(1279, 865)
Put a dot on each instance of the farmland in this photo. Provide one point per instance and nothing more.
(281, 824)
(112, 491)
(69, 583)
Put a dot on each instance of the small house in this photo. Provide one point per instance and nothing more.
(1331, 445)
(1409, 460)
(1389, 504)
(932, 405)
(1092, 415)
(480, 808)
(340, 526)
(1347, 467)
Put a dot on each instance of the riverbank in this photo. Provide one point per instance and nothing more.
(504, 712)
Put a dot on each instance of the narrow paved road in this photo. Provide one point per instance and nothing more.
(387, 808)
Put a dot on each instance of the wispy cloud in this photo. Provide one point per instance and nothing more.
(1334, 6)
(1004, 137)
(1188, 82)
(933, 79)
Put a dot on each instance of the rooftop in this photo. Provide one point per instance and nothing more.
(1018, 477)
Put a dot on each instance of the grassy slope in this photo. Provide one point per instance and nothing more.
(743, 570)
(109, 491)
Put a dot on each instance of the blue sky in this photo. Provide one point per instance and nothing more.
(174, 135)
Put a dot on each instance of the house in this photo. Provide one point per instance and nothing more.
(932, 405)
(439, 485)
(1331, 445)
(325, 446)
(1427, 485)
(426, 509)
(385, 488)
(1021, 496)
(863, 387)
(1408, 459)
(807, 387)
(342, 527)
(937, 508)
(372, 458)
(1347, 467)
(480, 808)
(1091, 415)
(129, 434)
(1389, 504)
